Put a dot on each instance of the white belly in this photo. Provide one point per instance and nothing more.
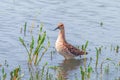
(61, 49)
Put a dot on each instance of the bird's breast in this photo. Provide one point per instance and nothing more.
(59, 46)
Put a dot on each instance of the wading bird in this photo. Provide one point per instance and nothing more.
(63, 47)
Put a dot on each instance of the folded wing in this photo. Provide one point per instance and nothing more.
(75, 51)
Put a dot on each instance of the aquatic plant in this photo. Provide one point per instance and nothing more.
(49, 76)
(43, 70)
(82, 73)
(86, 72)
(89, 71)
(25, 25)
(16, 74)
(52, 52)
(36, 73)
(117, 48)
(34, 52)
(54, 67)
(4, 74)
(84, 47)
(98, 51)
(106, 69)
(6, 63)
(106, 61)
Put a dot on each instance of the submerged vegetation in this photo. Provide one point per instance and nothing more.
(15, 74)
(84, 47)
(36, 48)
(86, 72)
(98, 51)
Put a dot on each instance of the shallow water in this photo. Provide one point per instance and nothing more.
(82, 20)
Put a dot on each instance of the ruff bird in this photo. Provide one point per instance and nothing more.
(63, 47)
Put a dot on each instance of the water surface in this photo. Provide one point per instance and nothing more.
(81, 18)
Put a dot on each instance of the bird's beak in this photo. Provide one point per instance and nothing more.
(56, 28)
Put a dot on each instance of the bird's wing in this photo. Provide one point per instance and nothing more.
(74, 50)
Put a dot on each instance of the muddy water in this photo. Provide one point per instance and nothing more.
(82, 19)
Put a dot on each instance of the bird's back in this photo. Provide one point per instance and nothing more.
(73, 50)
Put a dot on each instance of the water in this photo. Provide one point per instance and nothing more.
(82, 20)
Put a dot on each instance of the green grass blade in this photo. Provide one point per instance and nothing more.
(25, 25)
(39, 37)
(32, 44)
(86, 44)
(40, 43)
(43, 38)
(41, 27)
(22, 41)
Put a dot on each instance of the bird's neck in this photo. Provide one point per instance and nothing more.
(61, 36)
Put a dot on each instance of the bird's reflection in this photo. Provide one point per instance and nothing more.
(69, 65)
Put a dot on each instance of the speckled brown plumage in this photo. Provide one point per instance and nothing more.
(64, 48)
(74, 50)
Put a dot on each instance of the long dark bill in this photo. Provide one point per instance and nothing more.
(56, 28)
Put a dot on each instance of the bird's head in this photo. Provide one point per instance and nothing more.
(60, 26)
